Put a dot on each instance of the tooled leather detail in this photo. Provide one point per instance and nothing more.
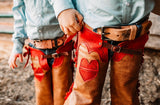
(88, 70)
(93, 43)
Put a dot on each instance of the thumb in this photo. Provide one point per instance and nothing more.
(79, 17)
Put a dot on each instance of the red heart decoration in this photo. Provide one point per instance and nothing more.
(38, 73)
(88, 70)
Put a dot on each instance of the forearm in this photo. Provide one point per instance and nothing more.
(156, 9)
(19, 35)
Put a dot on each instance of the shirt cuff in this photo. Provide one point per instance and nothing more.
(17, 47)
(61, 5)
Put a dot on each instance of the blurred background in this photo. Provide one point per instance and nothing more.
(17, 86)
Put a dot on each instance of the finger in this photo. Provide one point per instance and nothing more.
(77, 27)
(62, 28)
(20, 58)
(70, 33)
(11, 65)
(10, 62)
(79, 17)
(78, 21)
(14, 62)
(66, 31)
(72, 30)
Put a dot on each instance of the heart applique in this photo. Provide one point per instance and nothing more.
(88, 70)
(38, 73)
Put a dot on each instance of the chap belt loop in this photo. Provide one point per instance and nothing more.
(118, 49)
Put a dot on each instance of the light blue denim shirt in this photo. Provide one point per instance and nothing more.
(34, 19)
(98, 13)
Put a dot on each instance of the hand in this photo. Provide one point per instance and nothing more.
(13, 58)
(70, 21)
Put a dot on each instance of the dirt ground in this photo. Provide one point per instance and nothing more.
(17, 86)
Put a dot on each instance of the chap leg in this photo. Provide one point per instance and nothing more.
(91, 71)
(124, 80)
(62, 78)
(124, 73)
(43, 84)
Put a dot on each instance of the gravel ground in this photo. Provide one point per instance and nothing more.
(17, 86)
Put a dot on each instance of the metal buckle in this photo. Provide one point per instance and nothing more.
(34, 42)
(103, 33)
(54, 55)
(116, 48)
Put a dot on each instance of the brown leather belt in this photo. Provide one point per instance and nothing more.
(122, 33)
(55, 55)
(119, 49)
(49, 44)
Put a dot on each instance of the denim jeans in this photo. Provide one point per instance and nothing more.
(47, 52)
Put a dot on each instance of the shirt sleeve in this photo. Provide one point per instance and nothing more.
(60, 5)
(19, 35)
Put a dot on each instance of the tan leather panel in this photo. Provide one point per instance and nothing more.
(43, 90)
(124, 79)
(87, 92)
(62, 80)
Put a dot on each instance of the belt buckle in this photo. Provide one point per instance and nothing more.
(34, 42)
(103, 33)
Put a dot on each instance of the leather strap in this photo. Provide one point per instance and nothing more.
(119, 49)
(122, 33)
(48, 44)
(55, 55)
